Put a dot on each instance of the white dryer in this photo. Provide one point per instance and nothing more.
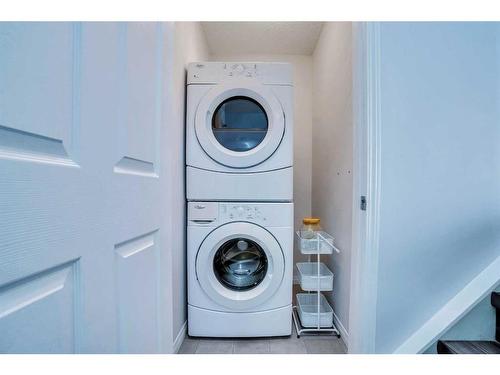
(239, 132)
(240, 258)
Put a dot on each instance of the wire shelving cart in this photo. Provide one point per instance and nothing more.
(312, 312)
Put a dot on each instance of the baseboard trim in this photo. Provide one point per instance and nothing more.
(180, 337)
(344, 335)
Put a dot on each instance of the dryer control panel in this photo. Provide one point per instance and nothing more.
(217, 72)
(217, 213)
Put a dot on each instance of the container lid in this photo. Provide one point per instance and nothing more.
(310, 220)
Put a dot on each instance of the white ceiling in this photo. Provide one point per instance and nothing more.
(225, 38)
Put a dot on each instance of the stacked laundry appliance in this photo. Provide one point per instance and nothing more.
(239, 183)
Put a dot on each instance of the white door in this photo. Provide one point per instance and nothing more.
(80, 187)
(240, 265)
(240, 124)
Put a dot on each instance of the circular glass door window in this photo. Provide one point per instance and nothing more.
(239, 123)
(240, 264)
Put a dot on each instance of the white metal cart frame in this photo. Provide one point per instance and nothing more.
(322, 243)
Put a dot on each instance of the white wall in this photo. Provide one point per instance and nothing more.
(332, 154)
(189, 45)
(440, 168)
(302, 76)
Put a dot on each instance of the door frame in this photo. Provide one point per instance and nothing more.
(366, 182)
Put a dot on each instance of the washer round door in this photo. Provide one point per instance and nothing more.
(239, 127)
(240, 265)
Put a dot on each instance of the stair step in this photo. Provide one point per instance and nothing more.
(468, 347)
(495, 300)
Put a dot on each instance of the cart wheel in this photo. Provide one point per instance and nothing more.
(298, 336)
(338, 335)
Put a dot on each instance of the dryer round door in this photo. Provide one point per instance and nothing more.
(239, 127)
(240, 265)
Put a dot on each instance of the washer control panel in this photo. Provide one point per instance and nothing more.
(242, 212)
(213, 214)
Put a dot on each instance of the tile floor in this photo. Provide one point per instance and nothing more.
(310, 344)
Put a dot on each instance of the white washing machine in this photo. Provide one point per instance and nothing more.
(239, 132)
(240, 258)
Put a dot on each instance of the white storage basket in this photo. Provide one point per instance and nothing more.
(308, 276)
(308, 310)
(322, 243)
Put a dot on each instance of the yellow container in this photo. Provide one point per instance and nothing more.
(310, 226)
